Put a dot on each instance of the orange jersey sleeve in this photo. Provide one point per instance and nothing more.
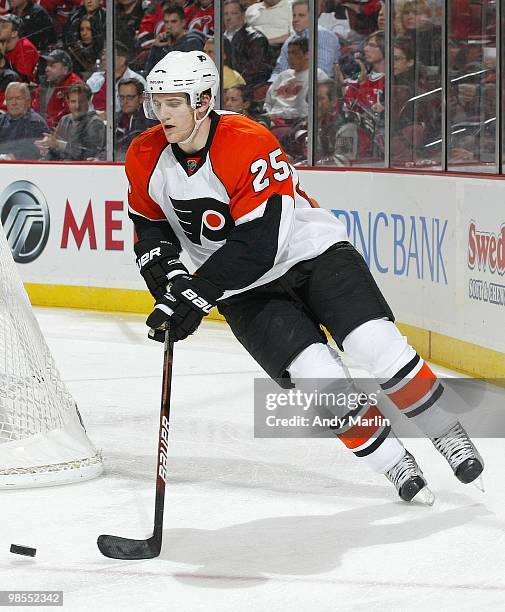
(141, 159)
(250, 163)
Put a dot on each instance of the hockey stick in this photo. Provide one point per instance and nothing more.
(125, 548)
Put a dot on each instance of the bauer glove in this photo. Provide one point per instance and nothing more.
(190, 298)
(159, 263)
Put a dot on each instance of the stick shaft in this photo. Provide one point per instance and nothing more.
(161, 463)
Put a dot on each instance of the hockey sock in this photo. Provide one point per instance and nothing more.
(364, 430)
(379, 347)
(368, 434)
(416, 391)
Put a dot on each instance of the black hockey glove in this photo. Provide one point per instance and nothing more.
(159, 263)
(190, 298)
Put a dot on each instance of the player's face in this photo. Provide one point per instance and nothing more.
(175, 115)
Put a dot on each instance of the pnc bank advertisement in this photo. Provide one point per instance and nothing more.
(435, 248)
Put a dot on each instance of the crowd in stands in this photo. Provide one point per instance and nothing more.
(53, 74)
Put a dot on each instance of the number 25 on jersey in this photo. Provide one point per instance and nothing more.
(260, 169)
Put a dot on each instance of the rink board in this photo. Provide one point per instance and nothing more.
(435, 243)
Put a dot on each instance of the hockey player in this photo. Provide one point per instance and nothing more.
(219, 186)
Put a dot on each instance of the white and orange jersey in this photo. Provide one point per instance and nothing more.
(236, 207)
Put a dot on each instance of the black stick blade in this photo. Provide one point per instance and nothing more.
(124, 548)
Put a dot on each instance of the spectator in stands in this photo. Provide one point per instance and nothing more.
(7, 75)
(150, 25)
(407, 110)
(366, 98)
(230, 77)
(19, 52)
(174, 36)
(273, 19)
(87, 48)
(363, 17)
(328, 51)
(94, 13)
(287, 96)
(415, 21)
(80, 135)
(59, 11)
(199, 15)
(131, 121)
(249, 49)
(328, 117)
(37, 25)
(381, 17)
(20, 126)
(49, 98)
(129, 14)
(333, 17)
(404, 62)
(236, 100)
(97, 83)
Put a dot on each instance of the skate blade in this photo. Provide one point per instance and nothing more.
(478, 483)
(425, 497)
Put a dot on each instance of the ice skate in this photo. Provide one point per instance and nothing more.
(461, 454)
(409, 481)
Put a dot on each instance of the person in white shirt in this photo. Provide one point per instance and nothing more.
(286, 98)
(272, 18)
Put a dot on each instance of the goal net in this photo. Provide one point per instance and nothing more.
(42, 437)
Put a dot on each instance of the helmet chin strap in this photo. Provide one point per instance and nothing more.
(198, 123)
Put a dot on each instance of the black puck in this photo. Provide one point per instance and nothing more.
(23, 550)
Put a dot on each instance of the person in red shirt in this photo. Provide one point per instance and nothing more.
(366, 98)
(21, 54)
(200, 16)
(49, 99)
(59, 11)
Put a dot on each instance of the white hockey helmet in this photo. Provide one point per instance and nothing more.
(191, 72)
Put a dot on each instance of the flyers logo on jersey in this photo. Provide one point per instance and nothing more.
(203, 218)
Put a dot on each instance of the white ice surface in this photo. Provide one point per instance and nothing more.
(250, 525)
